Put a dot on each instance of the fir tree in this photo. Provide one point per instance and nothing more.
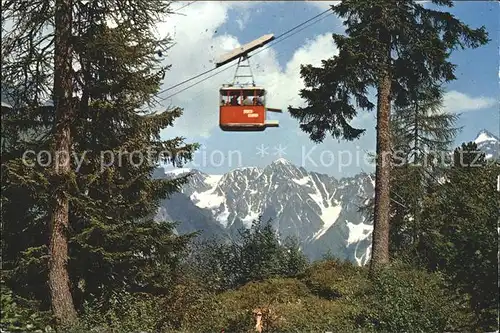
(422, 137)
(114, 243)
(422, 131)
(394, 47)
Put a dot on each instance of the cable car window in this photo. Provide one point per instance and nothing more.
(259, 97)
(230, 97)
(247, 98)
(224, 100)
(235, 100)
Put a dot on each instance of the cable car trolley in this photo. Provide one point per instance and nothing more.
(242, 103)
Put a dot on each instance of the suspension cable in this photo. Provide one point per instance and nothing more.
(275, 41)
(233, 65)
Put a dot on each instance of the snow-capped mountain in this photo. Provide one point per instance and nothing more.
(321, 211)
(489, 144)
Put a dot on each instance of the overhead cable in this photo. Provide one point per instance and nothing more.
(277, 40)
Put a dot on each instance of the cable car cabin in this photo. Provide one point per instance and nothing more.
(244, 109)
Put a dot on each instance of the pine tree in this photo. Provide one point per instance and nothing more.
(422, 131)
(394, 47)
(59, 284)
(114, 243)
(422, 139)
(460, 235)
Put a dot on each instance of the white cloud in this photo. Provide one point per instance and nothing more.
(197, 47)
(243, 20)
(457, 102)
(284, 85)
(453, 102)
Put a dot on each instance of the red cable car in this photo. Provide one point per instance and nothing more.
(243, 105)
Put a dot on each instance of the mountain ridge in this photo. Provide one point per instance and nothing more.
(322, 212)
(313, 207)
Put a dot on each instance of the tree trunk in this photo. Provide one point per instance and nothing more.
(380, 243)
(59, 284)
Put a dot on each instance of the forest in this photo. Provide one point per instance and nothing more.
(82, 252)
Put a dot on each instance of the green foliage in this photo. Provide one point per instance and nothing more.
(398, 49)
(255, 255)
(142, 312)
(123, 312)
(333, 279)
(292, 309)
(422, 135)
(137, 256)
(422, 132)
(261, 255)
(115, 244)
(17, 318)
(125, 268)
(403, 299)
(457, 230)
(456, 233)
(460, 235)
(330, 296)
(337, 297)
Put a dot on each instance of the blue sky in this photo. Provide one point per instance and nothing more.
(209, 29)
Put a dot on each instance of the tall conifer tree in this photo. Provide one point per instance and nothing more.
(107, 191)
(423, 134)
(391, 46)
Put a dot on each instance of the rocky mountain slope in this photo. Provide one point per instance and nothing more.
(321, 211)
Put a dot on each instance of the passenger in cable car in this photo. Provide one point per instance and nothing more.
(234, 100)
(247, 100)
(258, 99)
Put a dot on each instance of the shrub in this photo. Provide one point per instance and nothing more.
(293, 308)
(335, 279)
(125, 313)
(20, 318)
(403, 299)
(330, 296)
(257, 254)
